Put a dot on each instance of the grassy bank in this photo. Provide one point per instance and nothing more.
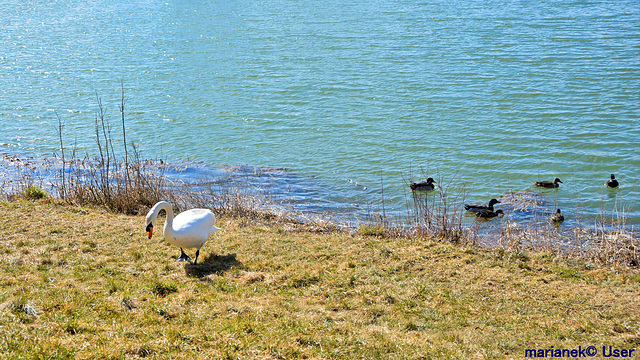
(81, 282)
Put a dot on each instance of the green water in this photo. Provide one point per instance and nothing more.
(484, 96)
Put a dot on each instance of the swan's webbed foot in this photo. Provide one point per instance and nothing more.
(183, 256)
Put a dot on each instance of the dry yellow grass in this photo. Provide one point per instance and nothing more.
(86, 283)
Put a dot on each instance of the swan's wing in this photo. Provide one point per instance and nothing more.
(193, 227)
(194, 217)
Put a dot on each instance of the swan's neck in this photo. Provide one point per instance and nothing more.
(168, 225)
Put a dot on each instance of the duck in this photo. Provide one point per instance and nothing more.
(612, 183)
(478, 207)
(488, 213)
(557, 217)
(548, 184)
(423, 185)
(189, 229)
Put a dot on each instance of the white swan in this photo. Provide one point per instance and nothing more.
(189, 229)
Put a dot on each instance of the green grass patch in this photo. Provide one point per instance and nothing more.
(371, 230)
(32, 192)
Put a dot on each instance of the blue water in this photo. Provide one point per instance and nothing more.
(486, 97)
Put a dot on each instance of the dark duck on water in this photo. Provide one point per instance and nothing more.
(612, 183)
(557, 217)
(478, 207)
(423, 185)
(548, 184)
(487, 214)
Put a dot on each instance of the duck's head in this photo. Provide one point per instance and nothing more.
(556, 180)
(558, 211)
(613, 177)
(430, 181)
(493, 202)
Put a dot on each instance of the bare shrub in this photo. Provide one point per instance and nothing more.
(439, 213)
(132, 185)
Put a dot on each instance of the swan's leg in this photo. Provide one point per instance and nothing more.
(183, 256)
(197, 253)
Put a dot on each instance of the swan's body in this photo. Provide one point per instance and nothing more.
(548, 184)
(557, 217)
(477, 207)
(189, 229)
(612, 183)
(423, 185)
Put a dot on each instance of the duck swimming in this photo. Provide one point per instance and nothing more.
(477, 207)
(557, 217)
(612, 183)
(548, 184)
(423, 185)
(489, 213)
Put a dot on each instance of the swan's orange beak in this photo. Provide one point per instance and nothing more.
(150, 230)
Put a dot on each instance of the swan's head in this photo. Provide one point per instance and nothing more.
(150, 220)
(149, 230)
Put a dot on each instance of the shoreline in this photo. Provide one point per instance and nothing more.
(279, 188)
(279, 192)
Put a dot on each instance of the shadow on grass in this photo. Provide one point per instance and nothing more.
(212, 264)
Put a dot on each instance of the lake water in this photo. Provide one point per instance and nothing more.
(486, 97)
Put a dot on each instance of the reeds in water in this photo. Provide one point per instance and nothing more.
(527, 226)
(439, 213)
